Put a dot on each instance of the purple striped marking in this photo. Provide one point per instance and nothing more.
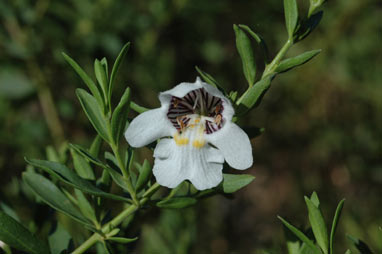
(195, 102)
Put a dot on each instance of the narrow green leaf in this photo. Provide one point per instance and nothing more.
(177, 203)
(69, 177)
(82, 166)
(85, 207)
(129, 158)
(137, 108)
(259, 40)
(96, 146)
(105, 66)
(318, 225)
(116, 66)
(233, 183)
(85, 153)
(87, 80)
(112, 170)
(293, 62)
(52, 196)
(314, 198)
(94, 113)
(144, 175)
(101, 77)
(17, 236)
(300, 235)
(243, 45)
(119, 118)
(291, 16)
(336, 218)
(233, 95)
(105, 179)
(252, 97)
(59, 240)
(207, 77)
(122, 239)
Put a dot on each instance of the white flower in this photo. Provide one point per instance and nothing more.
(197, 135)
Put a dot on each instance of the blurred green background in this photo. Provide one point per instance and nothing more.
(323, 121)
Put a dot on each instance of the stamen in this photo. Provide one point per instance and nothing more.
(179, 119)
(196, 101)
(175, 102)
(218, 119)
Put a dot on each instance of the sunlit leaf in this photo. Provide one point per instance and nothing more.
(94, 113)
(101, 77)
(122, 239)
(85, 78)
(253, 95)
(318, 225)
(116, 66)
(291, 16)
(293, 62)
(259, 40)
(119, 118)
(243, 45)
(144, 175)
(301, 236)
(336, 218)
(82, 166)
(85, 207)
(86, 154)
(232, 183)
(96, 146)
(209, 79)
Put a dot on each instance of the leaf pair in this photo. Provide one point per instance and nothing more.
(110, 132)
(317, 222)
(103, 90)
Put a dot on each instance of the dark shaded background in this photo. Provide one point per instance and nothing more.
(323, 121)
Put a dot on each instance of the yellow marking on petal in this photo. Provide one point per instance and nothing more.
(180, 141)
(197, 120)
(198, 143)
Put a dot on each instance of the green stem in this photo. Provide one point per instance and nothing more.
(125, 173)
(117, 220)
(270, 68)
(87, 244)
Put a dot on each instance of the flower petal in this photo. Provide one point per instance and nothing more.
(174, 164)
(149, 126)
(209, 173)
(234, 144)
